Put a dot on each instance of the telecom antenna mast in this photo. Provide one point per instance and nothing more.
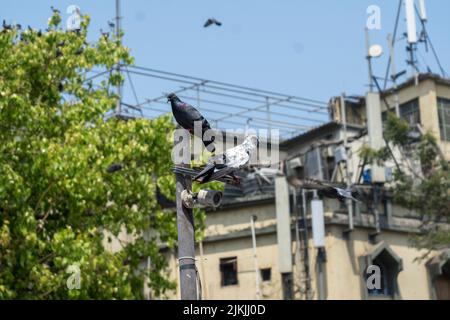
(423, 11)
(411, 27)
(118, 70)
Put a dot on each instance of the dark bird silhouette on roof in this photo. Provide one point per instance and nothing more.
(6, 26)
(212, 21)
(104, 34)
(186, 116)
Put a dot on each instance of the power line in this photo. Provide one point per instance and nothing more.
(96, 75)
(427, 36)
(262, 101)
(397, 20)
(213, 120)
(132, 86)
(229, 91)
(205, 83)
(252, 110)
(285, 123)
(263, 92)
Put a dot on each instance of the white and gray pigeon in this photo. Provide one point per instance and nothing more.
(337, 192)
(346, 193)
(230, 161)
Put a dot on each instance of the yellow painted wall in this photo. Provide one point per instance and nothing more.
(344, 272)
(342, 268)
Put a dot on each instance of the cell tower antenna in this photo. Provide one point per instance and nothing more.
(411, 21)
(423, 11)
(412, 34)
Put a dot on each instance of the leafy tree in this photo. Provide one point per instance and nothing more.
(58, 205)
(427, 190)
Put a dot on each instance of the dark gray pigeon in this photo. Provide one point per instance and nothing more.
(115, 167)
(232, 160)
(330, 190)
(186, 116)
(212, 21)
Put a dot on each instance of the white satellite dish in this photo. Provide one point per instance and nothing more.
(375, 51)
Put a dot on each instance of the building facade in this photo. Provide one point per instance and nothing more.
(378, 235)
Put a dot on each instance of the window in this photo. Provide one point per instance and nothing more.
(410, 112)
(389, 266)
(387, 281)
(266, 274)
(439, 271)
(442, 284)
(228, 271)
(444, 118)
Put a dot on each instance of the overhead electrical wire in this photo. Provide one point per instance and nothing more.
(220, 93)
(263, 93)
(424, 27)
(316, 108)
(397, 20)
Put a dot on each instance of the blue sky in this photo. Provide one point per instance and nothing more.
(313, 49)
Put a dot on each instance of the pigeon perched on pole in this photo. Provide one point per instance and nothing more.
(212, 21)
(186, 116)
(227, 163)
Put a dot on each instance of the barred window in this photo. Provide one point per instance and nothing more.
(410, 112)
(228, 272)
(444, 118)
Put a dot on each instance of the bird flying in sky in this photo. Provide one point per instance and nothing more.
(212, 21)
(227, 163)
(186, 116)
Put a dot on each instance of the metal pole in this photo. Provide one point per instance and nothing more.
(119, 87)
(320, 262)
(255, 257)
(269, 116)
(369, 61)
(297, 232)
(349, 202)
(202, 266)
(306, 248)
(149, 294)
(186, 234)
(321, 274)
(394, 73)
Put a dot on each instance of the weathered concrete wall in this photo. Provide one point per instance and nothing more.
(343, 269)
(427, 91)
(343, 272)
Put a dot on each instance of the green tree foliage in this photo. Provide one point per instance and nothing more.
(427, 192)
(58, 205)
